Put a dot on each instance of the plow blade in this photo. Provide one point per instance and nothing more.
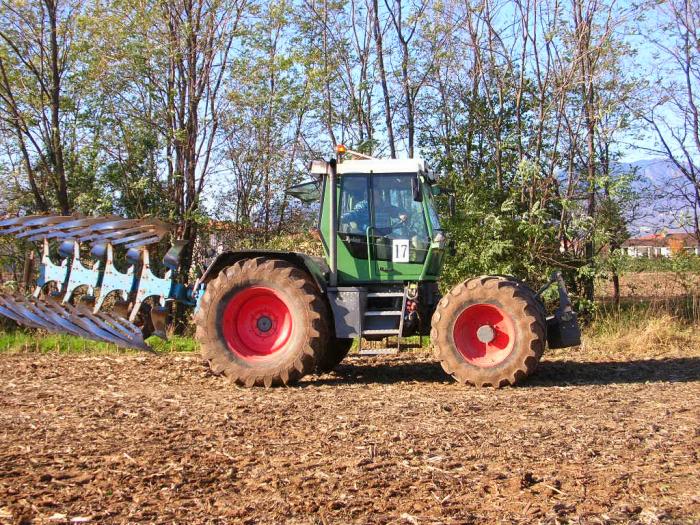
(132, 233)
(55, 317)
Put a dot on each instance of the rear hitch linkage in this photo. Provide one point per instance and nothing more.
(562, 327)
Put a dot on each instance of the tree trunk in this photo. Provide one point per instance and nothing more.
(326, 74)
(410, 117)
(616, 289)
(56, 144)
(583, 38)
(382, 75)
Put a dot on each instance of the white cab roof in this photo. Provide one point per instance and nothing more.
(382, 166)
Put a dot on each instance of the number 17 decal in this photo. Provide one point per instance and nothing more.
(399, 252)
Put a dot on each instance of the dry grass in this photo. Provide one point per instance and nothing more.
(651, 285)
(654, 334)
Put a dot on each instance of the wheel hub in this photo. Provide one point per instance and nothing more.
(257, 322)
(264, 323)
(485, 333)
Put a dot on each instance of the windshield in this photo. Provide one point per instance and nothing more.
(396, 214)
(383, 206)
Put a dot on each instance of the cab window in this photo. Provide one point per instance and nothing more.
(354, 205)
(354, 214)
(397, 216)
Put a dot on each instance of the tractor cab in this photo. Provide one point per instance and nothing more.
(379, 217)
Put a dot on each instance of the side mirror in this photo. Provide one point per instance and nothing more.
(415, 186)
(452, 248)
(452, 205)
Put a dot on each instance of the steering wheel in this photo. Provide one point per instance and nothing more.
(403, 218)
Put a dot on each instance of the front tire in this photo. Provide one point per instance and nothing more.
(262, 322)
(489, 331)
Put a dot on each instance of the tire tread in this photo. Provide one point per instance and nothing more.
(529, 323)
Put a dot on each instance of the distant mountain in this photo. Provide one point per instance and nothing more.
(662, 184)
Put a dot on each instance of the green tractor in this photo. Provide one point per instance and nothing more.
(269, 317)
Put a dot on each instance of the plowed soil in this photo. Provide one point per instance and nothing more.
(651, 286)
(158, 439)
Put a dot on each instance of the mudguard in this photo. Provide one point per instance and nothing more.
(316, 267)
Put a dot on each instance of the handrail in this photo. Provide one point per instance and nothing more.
(369, 251)
(333, 215)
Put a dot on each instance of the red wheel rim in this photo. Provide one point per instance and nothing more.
(484, 335)
(257, 322)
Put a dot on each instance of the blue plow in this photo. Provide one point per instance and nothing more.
(130, 318)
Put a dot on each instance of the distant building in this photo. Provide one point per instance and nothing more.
(661, 245)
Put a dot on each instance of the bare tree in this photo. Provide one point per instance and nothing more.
(406, 24)
(378, 33)
(198, 37)
(37, 39)
(675, 115)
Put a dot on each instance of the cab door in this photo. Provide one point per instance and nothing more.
(382, 232)
(399, 239)
(354, 223)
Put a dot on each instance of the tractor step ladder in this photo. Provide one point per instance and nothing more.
(381, 319)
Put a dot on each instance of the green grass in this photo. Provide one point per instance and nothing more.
(175, 343)
(19, 341)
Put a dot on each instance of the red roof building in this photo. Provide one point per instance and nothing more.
(661, 245)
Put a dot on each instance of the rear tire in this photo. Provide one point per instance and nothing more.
(262, 322)
(489, 331)
(334, 353)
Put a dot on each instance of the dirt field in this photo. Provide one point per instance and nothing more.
(651, 285)
(141, 439)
